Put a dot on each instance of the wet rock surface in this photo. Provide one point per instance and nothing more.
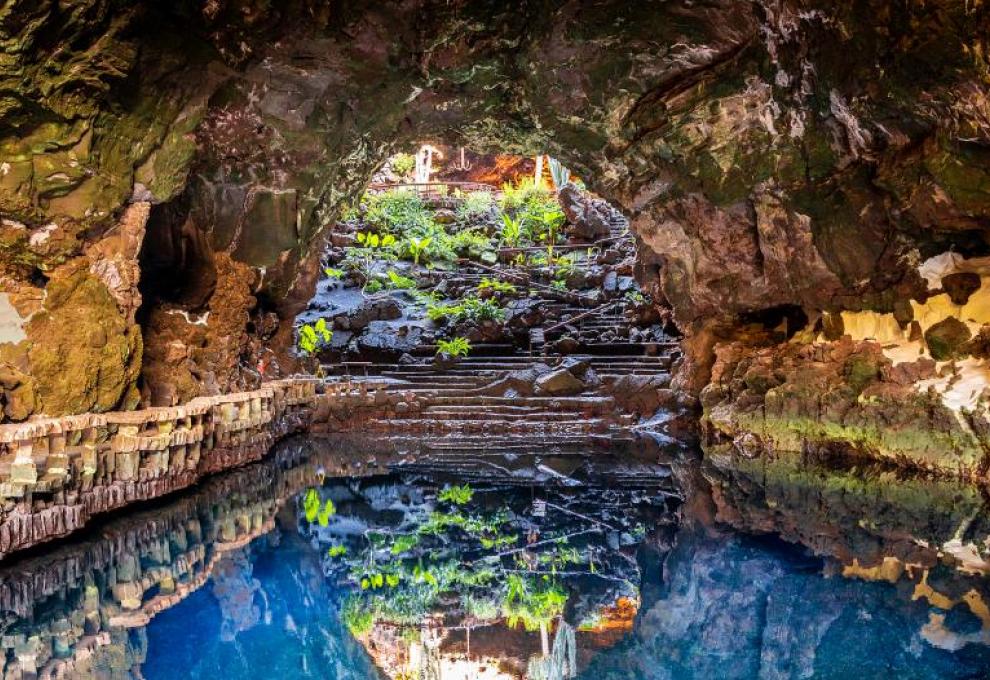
(803, 178)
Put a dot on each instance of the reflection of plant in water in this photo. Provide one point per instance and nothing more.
(465, 556)
(316, 510)
(532, 602)
(458, 495)
(358, 618)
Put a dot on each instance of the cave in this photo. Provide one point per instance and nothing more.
(527, 340)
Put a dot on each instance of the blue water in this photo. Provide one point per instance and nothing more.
(713, 602)
(718, 605)
(272, 616)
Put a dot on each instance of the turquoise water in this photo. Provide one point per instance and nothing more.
(644, 563)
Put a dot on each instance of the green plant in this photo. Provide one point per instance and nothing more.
(401, 210)
(374, 286)
(635, 297)
(458, 495)
(403, 163)
(531, 603)
(559, 173)
(404, 543)
(470, 309)
(316, 510)
(314, 336)
(455, 347)
(496, 285)
(399, 282)
(470, 243)
(337, 550)
(333, 273)
(370, 240)
(475, 204)
(358, 618)
(415, 247)
(559, 284)
(511, 231)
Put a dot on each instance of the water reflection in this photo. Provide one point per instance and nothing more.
(352, 559)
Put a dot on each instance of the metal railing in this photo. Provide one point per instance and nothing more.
(438, 190)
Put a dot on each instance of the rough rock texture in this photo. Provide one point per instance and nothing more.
(778, 158)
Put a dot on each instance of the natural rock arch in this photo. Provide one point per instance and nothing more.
(769, 153)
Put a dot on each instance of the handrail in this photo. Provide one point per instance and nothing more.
(469, 186)
(582, 315)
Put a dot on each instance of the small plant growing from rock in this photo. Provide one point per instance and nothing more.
(399, 282)
(333, 273)
(455, 347)
(416, 247)
(456, 494)
(369, 240)
(496, 286)
(511, 231)
(314, 336)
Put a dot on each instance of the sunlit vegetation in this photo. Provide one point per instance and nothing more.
(403, 164)
(312, 337)
(456, 494)
(455, 347)
(317, 510)
(495, 285)
(472, 309)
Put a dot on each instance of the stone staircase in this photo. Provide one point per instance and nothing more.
(466, 398)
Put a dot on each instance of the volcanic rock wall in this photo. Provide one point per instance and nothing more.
(781, 160)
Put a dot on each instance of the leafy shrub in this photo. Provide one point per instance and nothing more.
(404, 543)
(470, 309)
(511, 231)
(496, 285)
(374, 286)
(403, 163)
(415, 247)
(333, 273)
(336, 550)
(358, 618)
(370, 240)
(399, 282)
(470, 243)
(316, 510)
(475, 204)
(458, 495)
(314, 337)
(455, 347)
(400, 210)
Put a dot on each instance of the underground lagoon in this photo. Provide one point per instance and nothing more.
(446, 339)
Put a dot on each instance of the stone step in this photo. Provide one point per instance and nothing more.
(537, 416)
(427, 425)
(555, 402)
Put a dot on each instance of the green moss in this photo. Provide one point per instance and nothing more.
(860, 371)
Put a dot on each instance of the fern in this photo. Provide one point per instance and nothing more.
(455, 347)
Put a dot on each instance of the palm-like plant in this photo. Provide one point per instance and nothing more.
(560, 174)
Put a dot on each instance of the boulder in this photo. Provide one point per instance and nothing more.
(960, 285)
(948, 339)
(380, 308)
(524, 313)
(560, 382)
(587, 218)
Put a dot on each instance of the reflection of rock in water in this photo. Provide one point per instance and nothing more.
(235, 589)
(929, 536)
(735, 607)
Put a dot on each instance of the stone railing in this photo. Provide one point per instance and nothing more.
(57, 472)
